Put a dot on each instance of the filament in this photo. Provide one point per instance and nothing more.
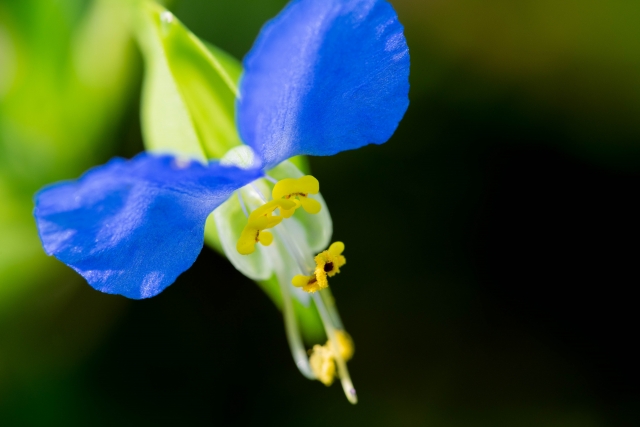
(270, 179)
(330, 303)
(292, 330)
(343, 372)
(324, 303)
(327, 319)
(242, 205)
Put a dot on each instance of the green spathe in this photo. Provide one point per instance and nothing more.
(188, 100)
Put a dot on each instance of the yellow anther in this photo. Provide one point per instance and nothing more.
(300, 188)
(258, 221)
(307, 283)
(287, 213)
(290, 186)
(322, 364)
(322, 357)
(345, 345)
(249, 237)
(265, 238)
(310, 205)
(266, 211)
(328, 263)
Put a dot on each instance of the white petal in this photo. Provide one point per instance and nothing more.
(230, 220)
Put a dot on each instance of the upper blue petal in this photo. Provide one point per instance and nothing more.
(131, 227)
(324, 76)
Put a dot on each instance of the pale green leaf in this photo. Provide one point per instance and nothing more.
(189, 93)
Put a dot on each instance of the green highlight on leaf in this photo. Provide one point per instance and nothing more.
(188, 99)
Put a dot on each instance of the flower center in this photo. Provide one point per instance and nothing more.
(258, 221)
(288, 195)
(298, 190)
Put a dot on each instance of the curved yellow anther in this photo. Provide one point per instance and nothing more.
(258, 221)
(287, 213)
(345, 345)
(266, 210)
(310, 205)
(308, 283)
(249, 237)
(289, 186)
(322, 364)
(300, 188)
(328, 264)
(300, 280)
(336, 249)
(265, 238)
(247, 242)
(322, 357)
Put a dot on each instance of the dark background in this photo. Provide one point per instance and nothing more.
(492, 249)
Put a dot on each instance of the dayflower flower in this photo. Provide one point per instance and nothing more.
(324, 76)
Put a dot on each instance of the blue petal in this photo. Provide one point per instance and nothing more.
(131, 227)
(324, 76)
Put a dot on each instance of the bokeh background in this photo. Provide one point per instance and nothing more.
(492, 243)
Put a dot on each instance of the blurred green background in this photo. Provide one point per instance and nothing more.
(493, 287)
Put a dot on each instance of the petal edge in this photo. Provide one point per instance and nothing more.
(131, 227)
(324, 76)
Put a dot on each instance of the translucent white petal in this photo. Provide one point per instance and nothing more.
(242, 156)
(230, 220)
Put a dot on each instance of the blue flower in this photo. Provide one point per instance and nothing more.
(324, 76)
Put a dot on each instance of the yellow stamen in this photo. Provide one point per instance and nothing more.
(345, 344)
(258, 221)
(328, 263)
(300, 188)
(307, 283)
(322, 358)
(322, 364)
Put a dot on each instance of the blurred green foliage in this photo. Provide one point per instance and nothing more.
(67, 80)
(67, 74)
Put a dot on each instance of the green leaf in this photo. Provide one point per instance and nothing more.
(188, 101)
